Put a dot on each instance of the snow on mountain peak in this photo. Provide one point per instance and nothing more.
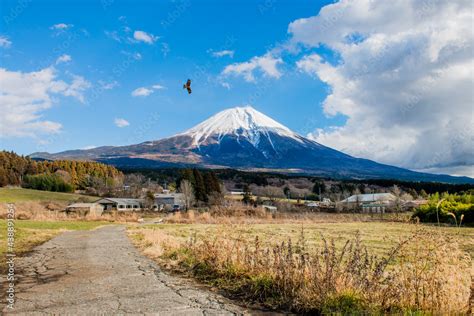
(242, 121)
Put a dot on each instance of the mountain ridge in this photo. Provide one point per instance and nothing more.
(244, 138)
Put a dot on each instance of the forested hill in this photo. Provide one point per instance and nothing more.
(16, 169)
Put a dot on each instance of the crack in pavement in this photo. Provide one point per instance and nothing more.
(101, 272)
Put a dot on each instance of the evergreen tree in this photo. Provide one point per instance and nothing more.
(185, 174)
(199, 186)
(319, 186)
(211, 182)
(247, 198)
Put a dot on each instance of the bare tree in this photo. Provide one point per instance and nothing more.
(149, 200)
(273, 193)
(358, 203)
(398, 201)
(187, 189)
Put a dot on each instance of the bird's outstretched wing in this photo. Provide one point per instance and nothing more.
(188, 86)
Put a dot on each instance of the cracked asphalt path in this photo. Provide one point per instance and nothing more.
(101, 272)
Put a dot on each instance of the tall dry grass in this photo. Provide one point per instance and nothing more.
(53, 211)
(238, 213)
(426, 272)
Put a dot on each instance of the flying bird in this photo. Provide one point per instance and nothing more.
(187, 86)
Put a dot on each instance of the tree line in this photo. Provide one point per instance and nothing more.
(240, 178)
(57, 175)
(205, 184)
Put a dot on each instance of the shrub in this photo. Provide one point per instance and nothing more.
(459, 206)
(47, 182)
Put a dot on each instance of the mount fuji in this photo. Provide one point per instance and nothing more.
(244, 138)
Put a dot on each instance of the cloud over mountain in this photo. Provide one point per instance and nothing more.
(404, 79)
(267, 65)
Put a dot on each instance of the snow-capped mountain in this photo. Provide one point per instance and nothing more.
(244, 138)
(242, 122)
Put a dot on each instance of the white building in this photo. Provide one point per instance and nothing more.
(121, 204)
(370, 203)
(95, 209)
(169, 200)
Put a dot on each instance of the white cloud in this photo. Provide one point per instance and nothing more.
(142, 92)
(225, 85)
(113, 35)
(61, 26)
(63, 59)
(145, 37)
(120, 122)
(223, 53)
(266, 64)
(89, 147)
(158, 87)
(146, 91)
(404, 79)
(135, 55)
(76, 88)
(5, 42)
(108, 85)
(124, 36)
(467, 171)
(24, 96)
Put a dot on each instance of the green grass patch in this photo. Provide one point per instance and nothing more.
(12, 195)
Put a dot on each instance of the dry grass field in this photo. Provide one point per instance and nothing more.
(322, 263)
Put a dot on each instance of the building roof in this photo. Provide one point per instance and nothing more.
(270, 207)
(372, 197)
(169, 195)
(120, 200)
(81, 205)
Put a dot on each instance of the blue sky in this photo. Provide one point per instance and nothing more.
(188, 34)
(387, 81)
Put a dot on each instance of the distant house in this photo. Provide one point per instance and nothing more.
(121, 204)
(236, 192)
(324, 204)
(270, 208)
(85, 209)
(312, 204)
(169, 200)
(370, 203)
(411, 205)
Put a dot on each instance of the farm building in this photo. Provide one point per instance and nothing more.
(316, 204)
(85, 209)
(120, 204)
(169, 200)
(411, 205)
(370, 203)
(270, 208)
